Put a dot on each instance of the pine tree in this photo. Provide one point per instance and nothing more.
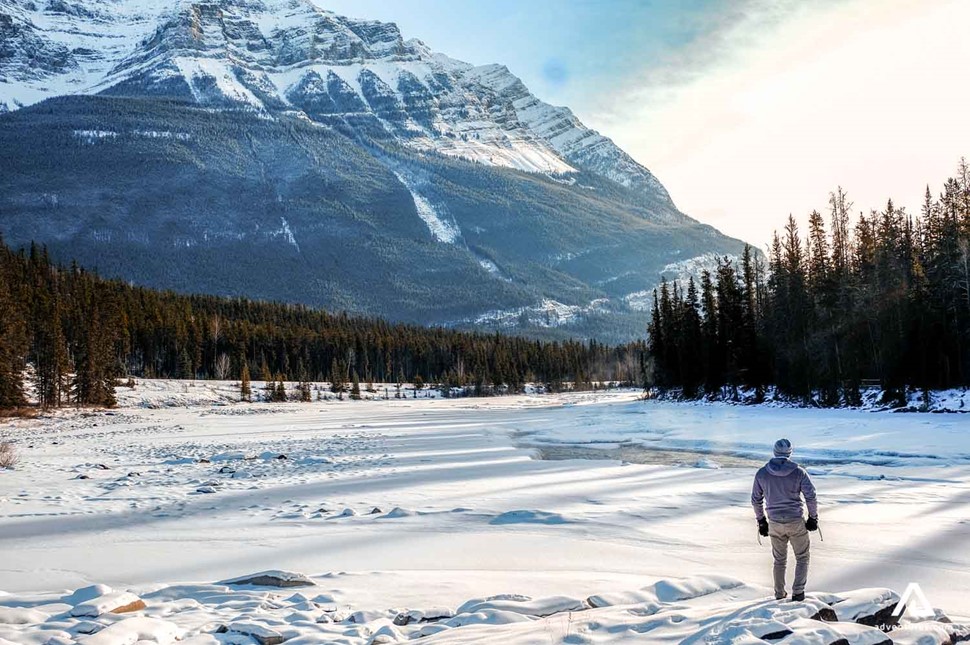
(355, 388)
(13, 341)
(279, 390)
(338, 377)
(245, 387)
(710, 347)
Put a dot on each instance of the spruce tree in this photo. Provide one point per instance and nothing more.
(245, 387)
(13, 341)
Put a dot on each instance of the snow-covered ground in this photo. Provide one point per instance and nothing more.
(438, 507)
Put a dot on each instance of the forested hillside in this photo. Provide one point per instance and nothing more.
(885, 302)
(74, 333)
(174, 196)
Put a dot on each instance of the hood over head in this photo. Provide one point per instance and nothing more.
(781, 466)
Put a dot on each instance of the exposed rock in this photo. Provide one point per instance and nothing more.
(205, 489)
(272, 578)
(227, 470)
(261, 634)
(88, 627)
(386, 634)
(878, 618)
(408, 616)
(870, 607)
(116, 602)
(777, 636)
(826, 614)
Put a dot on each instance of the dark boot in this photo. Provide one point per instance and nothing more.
(798, 597)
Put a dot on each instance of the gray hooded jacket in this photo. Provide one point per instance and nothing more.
(778, 489)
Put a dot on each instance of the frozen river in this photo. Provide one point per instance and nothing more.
(433, 502)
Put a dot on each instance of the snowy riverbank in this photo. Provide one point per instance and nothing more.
(873, 399)
(429, 504)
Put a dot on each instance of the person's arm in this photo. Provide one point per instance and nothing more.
(758, 498)
(808, 491)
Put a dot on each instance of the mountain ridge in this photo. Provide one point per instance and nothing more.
(279, 54)
(236, 135)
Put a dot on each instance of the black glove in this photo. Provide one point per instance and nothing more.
(763, 527)
(812, 524)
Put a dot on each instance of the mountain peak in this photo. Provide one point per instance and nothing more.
(291, 55)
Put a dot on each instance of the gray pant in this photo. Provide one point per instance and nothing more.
(781, 534)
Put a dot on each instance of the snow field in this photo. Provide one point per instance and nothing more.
(432, 507)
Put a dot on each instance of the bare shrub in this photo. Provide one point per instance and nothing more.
(8, 456)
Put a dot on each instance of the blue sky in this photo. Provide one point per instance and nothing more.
(566, 51)
(746, 110)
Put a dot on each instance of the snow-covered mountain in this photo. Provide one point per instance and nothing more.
(274, 149)
(278, 55)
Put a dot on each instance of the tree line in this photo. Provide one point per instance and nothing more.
(882, 301)
(67, 335)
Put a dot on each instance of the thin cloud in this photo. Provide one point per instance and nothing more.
(780, 102)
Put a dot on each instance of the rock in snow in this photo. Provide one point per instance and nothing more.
(136, 630)
(272, 578)
(261, 634)
(871, 607)
(408, 616)
(117, 602)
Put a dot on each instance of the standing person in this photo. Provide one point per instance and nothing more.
(778, 489)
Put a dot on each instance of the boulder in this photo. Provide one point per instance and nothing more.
(85, 594)
(116, 602)
(826, 615)
(135, 630)
(870, 607)
(88, 627)
(386, 634)
(259, 633)
(409, 616)
(272, 578)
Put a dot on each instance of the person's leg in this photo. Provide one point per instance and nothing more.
(800, 543)
(779, 551)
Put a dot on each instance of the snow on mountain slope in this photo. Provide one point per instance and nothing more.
(441, 229)
(679, 274)
(284, 55)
